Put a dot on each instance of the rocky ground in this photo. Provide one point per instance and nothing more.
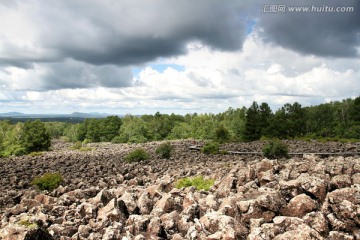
(305, 197)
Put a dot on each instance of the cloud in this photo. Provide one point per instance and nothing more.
(259, 72)
(140, 56)
(328, 34)
(65, 75)
(130, 32)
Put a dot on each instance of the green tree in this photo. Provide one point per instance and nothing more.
(265, 117)
(109, 128)
(252, 129)
(81, 131)
(93, 129)
(71, 132)
(34, 137)
(234, 121)
(181, 130)
(288, 122)
(222, 134)
(133, 130)
(203, 126)
(159, 125)
(55, 129)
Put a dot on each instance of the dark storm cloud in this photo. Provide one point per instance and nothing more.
(133, 32)
(326, 34)
(71, 74)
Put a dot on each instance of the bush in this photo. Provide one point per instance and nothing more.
(118, 139)
(34, 137)
(164, 150)
(48, 181)
(275, 149)
(198, 182)
(77, 145)
(210, 148)
(14, 150)
(222, 134)
(137, 155)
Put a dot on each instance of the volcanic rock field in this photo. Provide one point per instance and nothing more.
(304, 197)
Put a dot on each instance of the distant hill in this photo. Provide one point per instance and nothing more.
(74, 114)
(11, 114)
(73, 117)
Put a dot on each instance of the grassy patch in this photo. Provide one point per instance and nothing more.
(275, 149)
(28, 224)
(34, 154)
(198, 182)
(137, 155)
(48, 181)
(164, 150)
(86, 149)
(210, 148)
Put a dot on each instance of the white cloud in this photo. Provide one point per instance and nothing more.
(210, 81)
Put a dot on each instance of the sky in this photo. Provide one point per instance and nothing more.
(176, 56)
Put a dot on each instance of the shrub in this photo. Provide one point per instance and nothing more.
(210, 148)
(275, 149)
(137, 155)
(222, 134)
(198, 182)
(164, 150)
(77, 145)
(34, 137)
(14, 150)
(118, 139)
(48, 181)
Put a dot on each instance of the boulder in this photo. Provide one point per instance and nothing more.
(299, 206)
(342, 208)
(226, 186)
(340, 181)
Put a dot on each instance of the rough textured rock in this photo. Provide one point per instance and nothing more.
(342, 208)
(299, 206)
(103, 197)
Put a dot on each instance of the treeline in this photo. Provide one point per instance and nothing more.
(22, 138)
(330, 120)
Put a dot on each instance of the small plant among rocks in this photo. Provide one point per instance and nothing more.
(275, 149)
(79, 146)
(48, 181)
(211, 148)
(27, 223)
(35, 154)
(137, 155)
(198, 182)
(164, 150)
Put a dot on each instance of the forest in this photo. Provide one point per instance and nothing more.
(333, 121)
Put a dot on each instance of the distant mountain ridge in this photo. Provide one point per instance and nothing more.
(71, 115)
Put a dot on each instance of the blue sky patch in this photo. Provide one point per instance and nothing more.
(158, 67)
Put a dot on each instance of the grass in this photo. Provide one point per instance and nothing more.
(34, 154)
(48, 181)
(275, 149)
(26, 223)
(137, 155)
(164, 150)
(198, 182)
(86, 149)
(211, 148)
